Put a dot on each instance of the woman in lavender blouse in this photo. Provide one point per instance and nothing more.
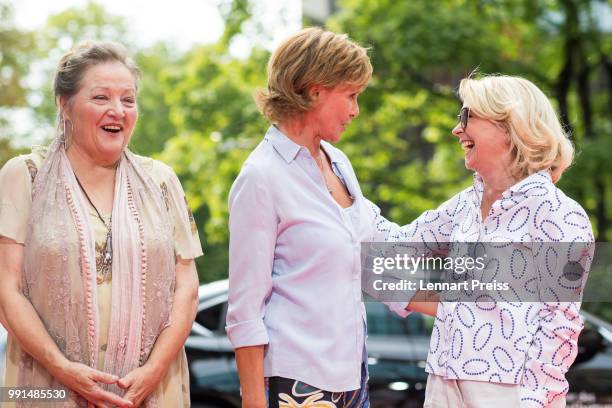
(508, 353)
(297, 219)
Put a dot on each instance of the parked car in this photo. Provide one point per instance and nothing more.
(397, 351)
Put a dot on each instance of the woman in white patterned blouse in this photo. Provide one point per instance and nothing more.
(508, 353)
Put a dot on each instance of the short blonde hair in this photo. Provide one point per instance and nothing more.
(537, 139)
(312, 56)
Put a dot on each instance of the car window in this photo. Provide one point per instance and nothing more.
(213, 318)
(383, 322)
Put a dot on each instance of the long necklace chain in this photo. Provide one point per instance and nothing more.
(320, 163)
(108, 246)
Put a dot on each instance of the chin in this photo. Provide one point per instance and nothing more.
(332, 138)
(111, 152)
(467, 164)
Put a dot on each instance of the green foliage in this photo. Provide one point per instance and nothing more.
(14, 53)
(197, 112)
(7, 151)
(154, 127)
(217, 123)
(61, 32)
(420, 50)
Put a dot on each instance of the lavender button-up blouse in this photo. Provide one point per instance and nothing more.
(295, 268)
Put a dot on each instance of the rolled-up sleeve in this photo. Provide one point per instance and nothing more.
(253, 231)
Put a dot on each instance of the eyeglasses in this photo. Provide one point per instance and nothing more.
(463, 116)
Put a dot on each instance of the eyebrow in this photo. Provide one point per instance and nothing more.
(106, 88)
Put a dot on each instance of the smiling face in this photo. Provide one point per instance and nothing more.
(102, 114)
(485, 144)
(334, 110)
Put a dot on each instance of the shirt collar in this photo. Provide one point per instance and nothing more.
(522, 188)
(286, 147)
(332, 152)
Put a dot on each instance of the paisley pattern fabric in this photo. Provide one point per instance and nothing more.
(528, 343)
(288, 393)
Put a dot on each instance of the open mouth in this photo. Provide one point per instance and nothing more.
(112, 128)
(467, 145)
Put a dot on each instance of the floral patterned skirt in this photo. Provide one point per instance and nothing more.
(288, 393)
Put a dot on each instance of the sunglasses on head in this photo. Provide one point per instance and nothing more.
(463, 116)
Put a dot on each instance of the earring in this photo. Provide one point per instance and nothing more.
(65, 139)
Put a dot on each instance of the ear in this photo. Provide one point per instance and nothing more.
(314, 91)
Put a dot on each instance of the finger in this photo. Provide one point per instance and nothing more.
(124, 382)
(103, 377)
(130, 396)
(135, 397)
(114, 399)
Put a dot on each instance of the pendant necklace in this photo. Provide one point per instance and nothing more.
(108, 246)
(320, 163)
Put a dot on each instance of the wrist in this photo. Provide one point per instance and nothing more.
(253, 395)
(156, 369)
(256, 400)
(56, 364)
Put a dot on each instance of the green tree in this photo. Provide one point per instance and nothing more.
(93, 22)
(217, 125)
(154, 126)
(409, 109)
(14, 62)
(60, 33)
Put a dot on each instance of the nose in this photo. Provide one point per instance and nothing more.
(116, 109)
(457, 130)
(355, 110)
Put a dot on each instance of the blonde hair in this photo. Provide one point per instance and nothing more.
(537, 139)
(312, 56)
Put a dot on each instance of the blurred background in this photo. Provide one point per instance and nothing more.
(202, 61)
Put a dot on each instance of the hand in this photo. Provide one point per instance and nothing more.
(140, 383)
(84, 381)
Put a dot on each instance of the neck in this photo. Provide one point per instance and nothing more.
(87, 170)
(495, 184)
(302, 133)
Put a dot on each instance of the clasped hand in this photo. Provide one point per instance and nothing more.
(84, 380)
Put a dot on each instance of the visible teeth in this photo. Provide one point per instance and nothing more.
(112, 128)
(467, 145)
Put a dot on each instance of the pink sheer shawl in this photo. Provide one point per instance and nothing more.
(59, 276)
